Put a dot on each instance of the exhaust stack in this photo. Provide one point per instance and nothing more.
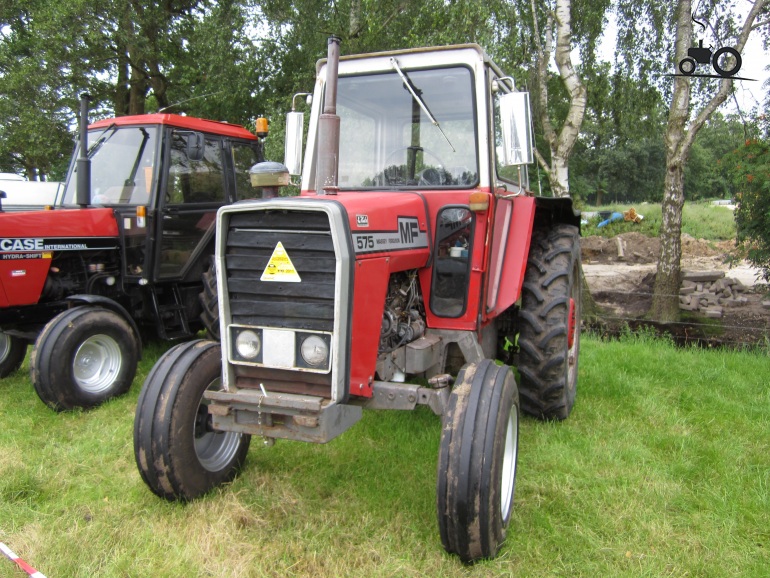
(329, 126)
(83, 163)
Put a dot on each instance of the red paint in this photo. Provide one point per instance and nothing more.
(91, 222)
(371, 285)
(571, 324)
(22, 280)
(175, 120)
(515, 244)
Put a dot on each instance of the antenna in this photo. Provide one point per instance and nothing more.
(189, 99)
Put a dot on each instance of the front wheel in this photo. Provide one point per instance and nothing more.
(12, 352)
(687, 66)
(178, 453)
(477, 461)
(83, 357)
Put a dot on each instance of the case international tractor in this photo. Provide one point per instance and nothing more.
(414, 250)
(121, 255)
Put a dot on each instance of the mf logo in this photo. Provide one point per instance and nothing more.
(409, 229)
(362, 220)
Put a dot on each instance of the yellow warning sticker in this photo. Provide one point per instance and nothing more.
(280, 267)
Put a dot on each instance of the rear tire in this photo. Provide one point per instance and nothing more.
(178, 455)
(477, 461)
(83, 357)
(549, 323)
(209, 299)
(12, 352)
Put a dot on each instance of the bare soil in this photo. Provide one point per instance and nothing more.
(620, 272)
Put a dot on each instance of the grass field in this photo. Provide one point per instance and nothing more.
(700, 220)
(663, 469)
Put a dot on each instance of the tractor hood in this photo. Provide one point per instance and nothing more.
(80, 223)
(395, 224)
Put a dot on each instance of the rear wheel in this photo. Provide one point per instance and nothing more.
(179, 455)
(549, 323)
(477, 461)
(83, 357)
(12, 352)
(209, 299)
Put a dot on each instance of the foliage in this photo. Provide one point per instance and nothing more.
(749, 166)
(674, 443)
(700, 220)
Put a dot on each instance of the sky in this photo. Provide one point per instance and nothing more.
(749, 95)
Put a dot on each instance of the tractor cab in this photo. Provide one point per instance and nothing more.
(165, 176)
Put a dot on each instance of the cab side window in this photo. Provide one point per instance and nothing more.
(195, 181)
(451, 271)
(244, 157)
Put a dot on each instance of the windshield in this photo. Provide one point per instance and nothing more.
(388, 141)
(122, 160)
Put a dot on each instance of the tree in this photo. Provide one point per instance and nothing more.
(558, 29)
(679, 138)
(749, 166)
(43, 66)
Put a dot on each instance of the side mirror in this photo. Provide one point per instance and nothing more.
(516, 125)
(292, 157)
(196, 146)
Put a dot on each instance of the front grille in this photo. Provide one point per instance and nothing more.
(306, 237)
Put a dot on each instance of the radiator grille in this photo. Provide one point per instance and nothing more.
(306, 237)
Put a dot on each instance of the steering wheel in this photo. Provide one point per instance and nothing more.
(436, 176)
(433, 176)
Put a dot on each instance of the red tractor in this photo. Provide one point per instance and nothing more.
(415, 250)
(123, 254)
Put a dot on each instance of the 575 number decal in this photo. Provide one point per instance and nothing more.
(364, 242)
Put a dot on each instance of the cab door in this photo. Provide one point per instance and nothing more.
(195, 188)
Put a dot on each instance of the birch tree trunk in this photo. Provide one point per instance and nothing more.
(678, 140)
(665, 305)
(560, 143)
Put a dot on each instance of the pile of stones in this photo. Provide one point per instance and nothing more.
(708, 292)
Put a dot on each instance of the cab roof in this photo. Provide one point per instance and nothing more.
(178, 121)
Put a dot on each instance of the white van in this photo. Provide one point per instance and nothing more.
(23, 195)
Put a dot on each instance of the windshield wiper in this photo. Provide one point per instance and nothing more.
(106, 135)
(410, 87)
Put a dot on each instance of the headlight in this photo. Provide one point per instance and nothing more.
(315, 351)
(248, 344)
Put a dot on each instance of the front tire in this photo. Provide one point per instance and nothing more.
(12, 352)
(477, 461)
(179, 455)
(549, 323)
(83, 357)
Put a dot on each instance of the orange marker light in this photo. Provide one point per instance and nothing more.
(262, 127)
(479, 202)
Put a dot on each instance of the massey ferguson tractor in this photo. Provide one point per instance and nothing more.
(122, 256)
(415, 250)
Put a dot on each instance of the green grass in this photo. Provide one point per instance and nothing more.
(699, 220)
(663, 469)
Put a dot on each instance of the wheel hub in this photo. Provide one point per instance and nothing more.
(97, 363)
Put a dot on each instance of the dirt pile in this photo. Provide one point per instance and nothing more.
(620, 272)
(638, 248)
